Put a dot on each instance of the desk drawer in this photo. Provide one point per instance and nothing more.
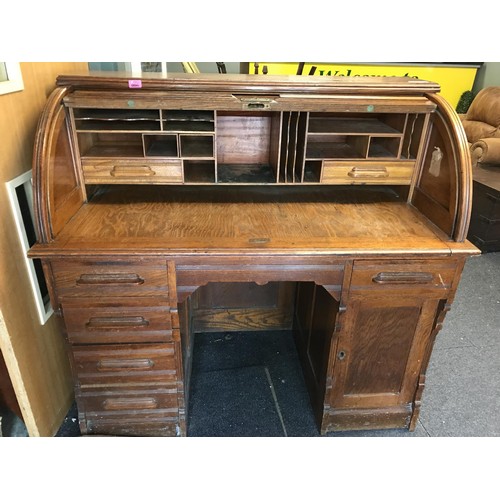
(158, 424)
(110, 278)
(367, 172)
(125, 402)
(127, 320)
(132, 171)
(398, 276)
(125, 364)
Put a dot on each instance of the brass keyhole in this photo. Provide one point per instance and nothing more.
(341, 355)
(256, 105)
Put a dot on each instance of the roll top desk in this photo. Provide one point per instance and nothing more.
(350, 196)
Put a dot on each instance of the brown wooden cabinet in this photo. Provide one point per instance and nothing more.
(336, 208)
(378, 359)
(484, 230)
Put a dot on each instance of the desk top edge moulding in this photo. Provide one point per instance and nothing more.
(347, 198)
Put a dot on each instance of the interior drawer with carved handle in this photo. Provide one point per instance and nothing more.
(110, 278)
(126, 320)
(125, 363)
(431, 276)
(132, 171)
(367, 172)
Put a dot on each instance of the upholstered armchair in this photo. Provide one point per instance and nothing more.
(482, 127)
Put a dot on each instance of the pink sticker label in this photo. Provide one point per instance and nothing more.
(135, 84)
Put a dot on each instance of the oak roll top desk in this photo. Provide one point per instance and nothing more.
(352, 195)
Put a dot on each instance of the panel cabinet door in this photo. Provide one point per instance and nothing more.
(380, 350)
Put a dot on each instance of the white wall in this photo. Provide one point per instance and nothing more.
(487, 75)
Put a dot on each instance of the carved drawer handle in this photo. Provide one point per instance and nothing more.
(403, 278)
(125, 364)
(145, 170)
(368, 172)
(130, 403)
(110, 279)
(107, 323)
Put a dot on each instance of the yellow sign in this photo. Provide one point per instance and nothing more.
(454, 80)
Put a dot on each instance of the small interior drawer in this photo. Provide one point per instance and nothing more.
(132, 171)
(110, 278)
(394, 276)
(126, 320)
(124, 364)
(367, 172)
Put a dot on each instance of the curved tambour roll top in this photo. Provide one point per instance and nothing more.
(443, 191)
(439, 176)
(58, 189)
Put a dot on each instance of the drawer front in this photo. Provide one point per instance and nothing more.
(431, 277)
(486, 202)
(127, 320)
(142, 425)
(132, 171)
(367, 172)
(110, 278)
(484, 229)
(125, 402)
(123, 364)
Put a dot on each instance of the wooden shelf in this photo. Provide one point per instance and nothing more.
(89, 119)
(337, 125)
(256, 147)
(161, 145)
(199, 172)
(188, 115)
(384, 147)
(331, 150)
(246, 174)
(110, 114)
(180, 120)
(117, 125)
(188, 126)
(196, 146)
(114, 150)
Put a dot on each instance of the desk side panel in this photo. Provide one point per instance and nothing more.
(58, 190)
(443, 192)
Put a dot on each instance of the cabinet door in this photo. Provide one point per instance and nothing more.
(379, 352)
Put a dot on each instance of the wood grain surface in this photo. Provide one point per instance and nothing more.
(247, 220)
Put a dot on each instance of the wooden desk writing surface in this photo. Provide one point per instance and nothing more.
(345, 200)
(248, 221)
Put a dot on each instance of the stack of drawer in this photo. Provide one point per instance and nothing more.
(122, 328)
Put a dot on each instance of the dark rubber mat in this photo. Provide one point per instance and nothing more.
(234, 402)
(266, 370)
